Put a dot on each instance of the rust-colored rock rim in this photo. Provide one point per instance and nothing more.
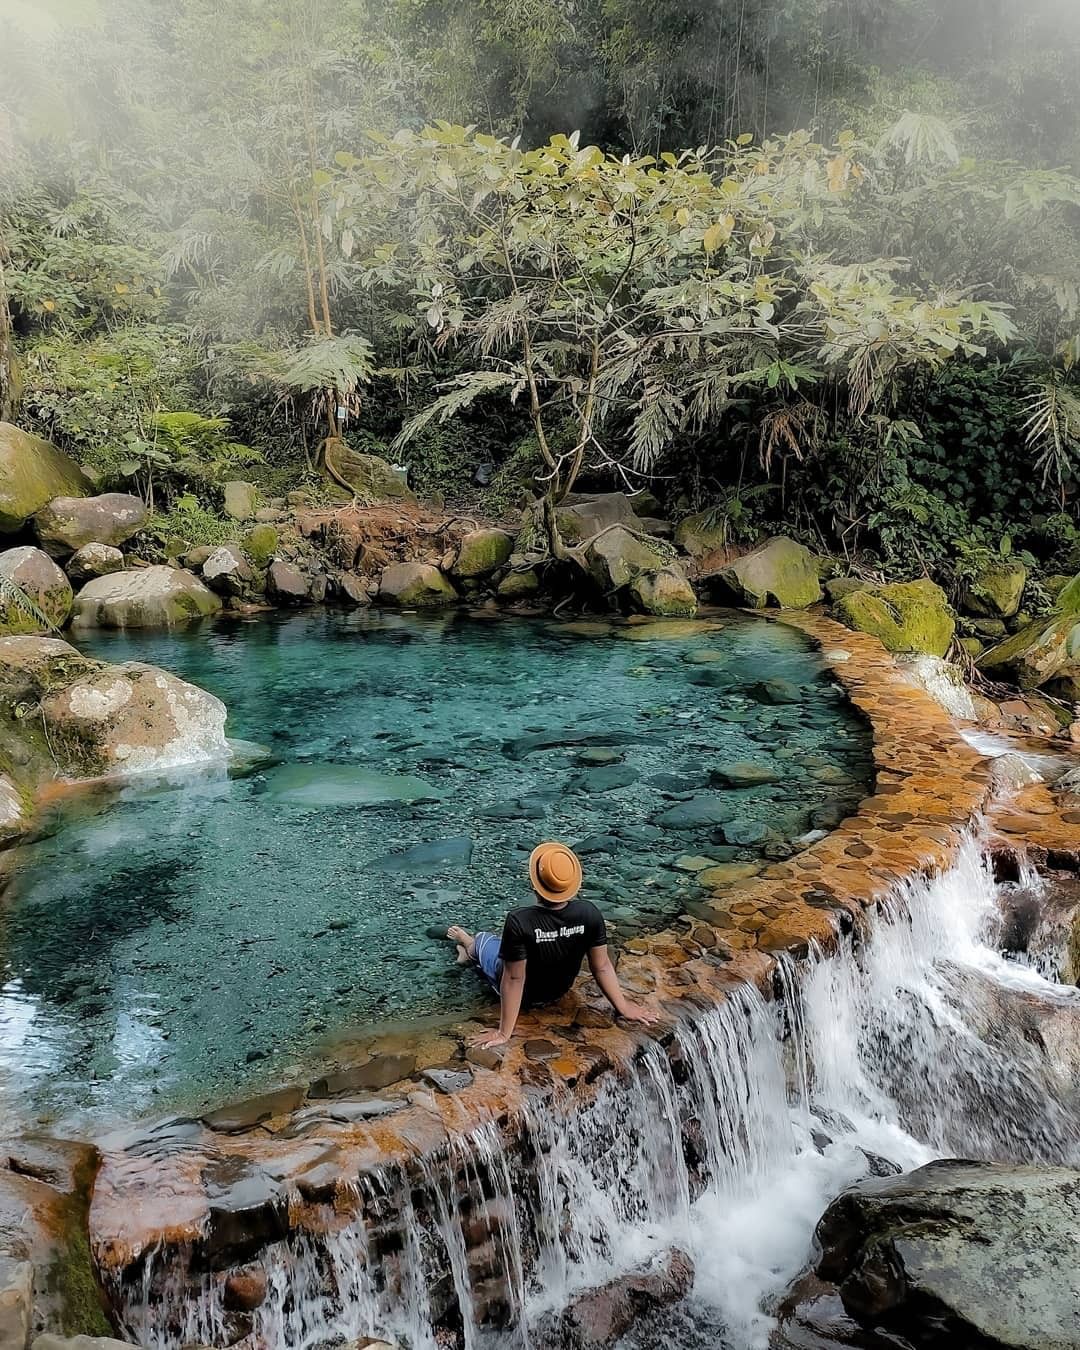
(930, 788)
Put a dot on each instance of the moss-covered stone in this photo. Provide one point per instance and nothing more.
(260, 544)
(909, 616)
(415, 585)
(368, 475)
(780, 572)
(33, 472)
(702, 534)
(1045, 651)
(519, 585)
(666, 593)
(996, 592)
(39, 596)
(615, 557)
(482, 552)
(66, 524)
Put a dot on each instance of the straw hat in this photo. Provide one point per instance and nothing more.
(555, 872)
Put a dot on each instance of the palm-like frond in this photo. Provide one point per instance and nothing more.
(460, 393)
(1052, 430)
(13, 595)
(921, 139)
(342, 363)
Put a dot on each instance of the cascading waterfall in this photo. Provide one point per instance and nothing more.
(729, 1144)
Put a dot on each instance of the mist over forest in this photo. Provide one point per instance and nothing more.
(221, 220)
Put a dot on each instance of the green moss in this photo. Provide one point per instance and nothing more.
(482, 552)
(260, 544)
(910, 616)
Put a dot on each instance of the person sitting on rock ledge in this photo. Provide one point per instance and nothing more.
(543, 945)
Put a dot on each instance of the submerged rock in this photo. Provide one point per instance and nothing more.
(32, 473)
(700, 812)
(960, 1253)
(429, 857)
(66, 524)
(780, 572)
(909, 616)
(328, 785)
(151, 597)
(599, 1318)
(43, 596)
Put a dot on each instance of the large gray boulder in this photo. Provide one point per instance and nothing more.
(132, 718)
(241, 500)
(65, 524)
(152, 597)
(33, 472)
(39, 597)
(616, 557)
(781, 572)
(415, 585)
(960, 1254)
(228, 572)
(580, 517)
(666, 593)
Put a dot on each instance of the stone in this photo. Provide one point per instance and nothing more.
(599, 754)
(65, 524)
(43, 598)
(960, 1253)
(245, 1289)
(132, 718)
(350, 588)
(415, 585)
(599, 1318)
(744, 832)
(520, 584)
(704, 534)
(287, 585)
(943, 682)
(375, 1073)
(15, 811)
(261, 543)
(838, 587)
(728, 874)
(241, 500)
(93, 560)
(995, 591)
(581, 517)
(16, 1303)
(321, 785)
(745, 773)
(247, 1207)
(667, 593)
(778, 692)
(228, 572)
(908, 616)
(32, 473)
(150, 597)
(369, 476)
(1045, 651)
(241, 1116)
(701, 812)
(49, 1341)
(781, 572)
(431, 857)
(615, 557)
(447, 1079)
(482, 552)
(608, 778)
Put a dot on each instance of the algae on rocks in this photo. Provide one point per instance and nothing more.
(906, 616)
(482, 552)
(666, 593)
(32, 473)
(781, 572)
(415, 584)
(38, 598)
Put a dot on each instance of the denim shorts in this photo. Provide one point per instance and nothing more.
(488, 958)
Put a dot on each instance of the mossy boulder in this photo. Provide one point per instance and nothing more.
(367, 475)
(240, 500)
(996, 591)
(33, 472)
(519, 585)
(702, 534)
(1045, 651)
(666, 593)
(482, 552)
(39, 597)
(615, 557)
(93, 560)
(415, 585)
(581, 517)
(906, 616)
(65, 524)
(261, 543)
(152, 597)
(781, 572)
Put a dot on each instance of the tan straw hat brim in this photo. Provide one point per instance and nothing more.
(541, 887)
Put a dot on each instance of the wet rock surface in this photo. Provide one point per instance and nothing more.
(960, 1253)
(600, 1317)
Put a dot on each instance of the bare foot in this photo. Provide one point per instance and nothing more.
(466, 944)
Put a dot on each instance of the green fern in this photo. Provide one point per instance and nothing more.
(13, 596)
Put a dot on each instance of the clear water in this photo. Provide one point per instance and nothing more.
(205, 936)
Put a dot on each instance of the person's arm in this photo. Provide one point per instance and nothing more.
(603, 973)
(511, 992)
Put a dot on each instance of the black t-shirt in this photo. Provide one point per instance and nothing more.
(553, 942)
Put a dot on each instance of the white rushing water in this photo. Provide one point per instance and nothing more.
(918, 1045)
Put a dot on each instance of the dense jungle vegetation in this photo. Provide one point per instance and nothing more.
(804, 261)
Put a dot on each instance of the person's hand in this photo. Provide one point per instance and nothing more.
(635, 1012)
(490, 1038)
